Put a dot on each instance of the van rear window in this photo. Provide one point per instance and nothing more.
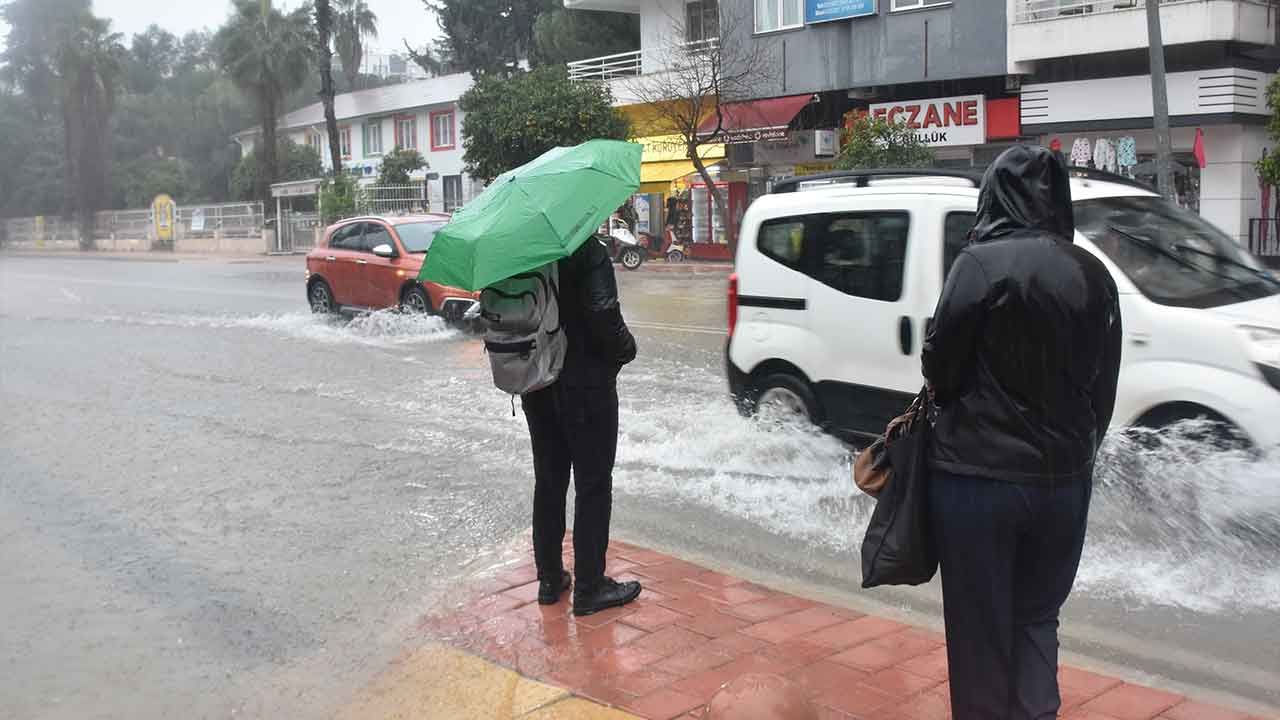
(783, 240)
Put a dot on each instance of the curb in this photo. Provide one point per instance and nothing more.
(694, 629)
(140, 256)
(697, 268)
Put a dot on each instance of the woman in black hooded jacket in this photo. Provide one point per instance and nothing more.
(1022, 361)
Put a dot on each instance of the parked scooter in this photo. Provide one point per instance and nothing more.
(623, 245)
(673, 248)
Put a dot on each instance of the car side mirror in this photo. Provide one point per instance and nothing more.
(384, 250)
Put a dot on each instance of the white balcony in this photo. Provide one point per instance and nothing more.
(1043, 29)
(641, 62)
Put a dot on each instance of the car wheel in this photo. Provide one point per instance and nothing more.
(675, 256)
(786, 397)
(631, 258)
(1212, 428)
(415, 301)
(320, 296)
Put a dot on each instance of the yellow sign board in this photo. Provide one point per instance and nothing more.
(667, 148)
(164, 216)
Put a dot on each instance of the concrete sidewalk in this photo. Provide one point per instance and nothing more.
(694, 629)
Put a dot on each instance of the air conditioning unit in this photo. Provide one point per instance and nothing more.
(1012, 83)
(867, 93)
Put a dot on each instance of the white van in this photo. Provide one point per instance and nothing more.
(837, 276)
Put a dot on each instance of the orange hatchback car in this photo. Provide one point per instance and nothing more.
(372, 263)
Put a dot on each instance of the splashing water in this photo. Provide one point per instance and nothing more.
(1175, 521)
(383, 328)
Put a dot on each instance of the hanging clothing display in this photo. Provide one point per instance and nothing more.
(1104, 155)
(1126, 153)
(1081, 152)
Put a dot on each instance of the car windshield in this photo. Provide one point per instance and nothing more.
(1172, 255)
(417, 236)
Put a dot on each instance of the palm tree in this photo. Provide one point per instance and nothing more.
(266, 53)
(324, 30)
(90, 63)
(356, 23)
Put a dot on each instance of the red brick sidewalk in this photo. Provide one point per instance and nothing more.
(692, 630)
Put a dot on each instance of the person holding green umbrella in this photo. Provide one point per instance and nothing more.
(544, 212)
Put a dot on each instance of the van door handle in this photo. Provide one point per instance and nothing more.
(362, 262)
(330, 258)
(904, 335)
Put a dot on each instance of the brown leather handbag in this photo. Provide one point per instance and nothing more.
(871, 469)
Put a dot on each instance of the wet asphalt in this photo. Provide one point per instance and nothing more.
(214, 504)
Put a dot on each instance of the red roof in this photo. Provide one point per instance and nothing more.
(757, 114)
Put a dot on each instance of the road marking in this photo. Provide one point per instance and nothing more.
(695, 329)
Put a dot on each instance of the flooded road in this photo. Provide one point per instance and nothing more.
(214, 503)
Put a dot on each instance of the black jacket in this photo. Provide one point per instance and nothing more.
(599, 343)
(1024, 350)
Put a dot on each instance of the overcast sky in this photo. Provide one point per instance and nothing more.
(398, 20)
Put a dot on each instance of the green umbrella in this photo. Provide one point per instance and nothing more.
(538, 213)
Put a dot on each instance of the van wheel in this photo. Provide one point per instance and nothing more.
(415, 301)
(782, 396)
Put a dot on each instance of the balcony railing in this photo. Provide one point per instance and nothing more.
(1029, 11)
(640, 62)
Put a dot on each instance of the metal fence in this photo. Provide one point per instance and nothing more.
(1027, 11)
(1264, 239)
(297, 231)
(225, 220)
(638, 62)
(392, 199)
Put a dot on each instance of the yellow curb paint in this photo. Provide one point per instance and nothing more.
(575, 708)
(441, 682)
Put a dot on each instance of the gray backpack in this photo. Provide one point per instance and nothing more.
(524, 339)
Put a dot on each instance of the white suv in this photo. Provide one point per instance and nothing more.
(837, 276)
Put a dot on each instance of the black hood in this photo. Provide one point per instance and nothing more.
(1026, 188)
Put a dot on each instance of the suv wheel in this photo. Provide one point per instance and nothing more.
(782, 396)
(415, 301)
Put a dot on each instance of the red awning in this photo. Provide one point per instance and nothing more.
(774, 113)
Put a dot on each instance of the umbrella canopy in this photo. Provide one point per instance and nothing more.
(538, 213)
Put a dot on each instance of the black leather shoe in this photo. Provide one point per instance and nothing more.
(549, 590)
(604, 595)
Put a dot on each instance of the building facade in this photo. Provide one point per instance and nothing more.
(422, 115)
(1087, 90)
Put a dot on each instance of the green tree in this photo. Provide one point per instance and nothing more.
(397, 164)
(562, 36)
(511, 121)
(297, 162)
(152, 57)
(139, 181)
(489, 36)
(37, 29)
(873, 142)
(435, 60)
(355, 24)
(324, 57)
(266, 52)
(1269, 166)
(338, 198)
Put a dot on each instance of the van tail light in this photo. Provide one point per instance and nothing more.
(733, 303)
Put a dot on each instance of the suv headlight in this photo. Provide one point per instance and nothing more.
(1263, 346)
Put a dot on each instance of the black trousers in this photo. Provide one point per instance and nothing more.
(1009, 555)
(572, 428)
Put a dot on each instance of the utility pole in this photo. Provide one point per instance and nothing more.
(1159, 101)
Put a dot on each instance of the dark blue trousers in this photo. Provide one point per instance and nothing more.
(1008, 555)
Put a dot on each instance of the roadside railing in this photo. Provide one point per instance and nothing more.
(639, 62)
(1264, 239)
(394, 199)
(206, 225)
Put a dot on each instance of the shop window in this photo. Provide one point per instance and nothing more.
(783, 240)
(373, 138)
(955, 237)
(864, 255)
(702, 20)
(896, 5)
(778, 15)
